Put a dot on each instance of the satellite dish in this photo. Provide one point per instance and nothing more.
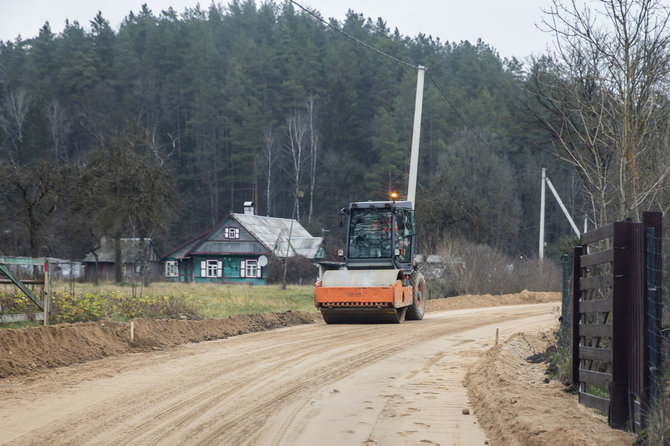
(262, 261)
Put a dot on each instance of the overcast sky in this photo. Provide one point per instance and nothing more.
(508, 26)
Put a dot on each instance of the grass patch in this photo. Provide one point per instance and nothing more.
(658, 424)
(560, 361)
(216, 301)
(23, 324)
(88, 302)
(560, 364)
(598, 391)
(213, 300)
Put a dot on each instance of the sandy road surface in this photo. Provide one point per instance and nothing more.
(314, 384)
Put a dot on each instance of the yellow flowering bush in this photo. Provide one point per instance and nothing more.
(115, 305)
(69, 308)
(16, 303)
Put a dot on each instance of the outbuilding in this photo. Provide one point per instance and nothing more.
(139, 258)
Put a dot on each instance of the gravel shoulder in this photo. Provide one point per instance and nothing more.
(437, 381)
(517, 406)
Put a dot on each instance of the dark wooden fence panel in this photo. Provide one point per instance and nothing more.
(594, 302)
(637, 369)
(614, 322)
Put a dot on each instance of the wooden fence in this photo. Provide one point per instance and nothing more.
(7, 276)
(616, 319)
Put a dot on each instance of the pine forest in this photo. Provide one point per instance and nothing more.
(163, 126)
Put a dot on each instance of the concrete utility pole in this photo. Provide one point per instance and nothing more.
(416, 136)
(541, 248)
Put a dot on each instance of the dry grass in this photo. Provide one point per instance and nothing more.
(216, 300)
(210, 301)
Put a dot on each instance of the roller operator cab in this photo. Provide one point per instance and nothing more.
(380, 282)
(380, 234)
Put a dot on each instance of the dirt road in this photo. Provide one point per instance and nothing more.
(314, 384)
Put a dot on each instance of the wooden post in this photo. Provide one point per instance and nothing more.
(132, 331)
(623, 284)
(46, 292)
(618, 413)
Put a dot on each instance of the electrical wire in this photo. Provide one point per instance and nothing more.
(402, 62)
(460, 116)
(360, 42)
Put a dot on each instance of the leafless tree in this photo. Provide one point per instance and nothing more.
(603, 95)
(58, 126)
(13, 110)
(124, 188)
(162, 151)
(33, 193)
(313, 151)
(297, 127)
(269, 148)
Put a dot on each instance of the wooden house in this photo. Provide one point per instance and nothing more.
(238, 248)
(132, 260)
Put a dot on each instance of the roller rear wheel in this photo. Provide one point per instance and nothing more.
(417, 309)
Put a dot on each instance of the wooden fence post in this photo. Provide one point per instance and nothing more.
(626, 296)
(618, 415)
(47, 296)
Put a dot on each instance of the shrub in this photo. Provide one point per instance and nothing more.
(68, 308)
(469, 268)
(115, 305)
(298, 271)
(16, 303)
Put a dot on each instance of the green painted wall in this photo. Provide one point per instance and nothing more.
(231, 270)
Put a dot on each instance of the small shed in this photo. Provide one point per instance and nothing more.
(136, 253)
(238, 248)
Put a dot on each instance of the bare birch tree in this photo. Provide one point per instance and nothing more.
(58, 127)
(297, 127)
(603, 96)
(13, 111)
(313, 151)
(269, 146)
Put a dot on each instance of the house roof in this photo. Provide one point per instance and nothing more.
(184, 249)
(274, 232)
(270, 232)
(130, 251)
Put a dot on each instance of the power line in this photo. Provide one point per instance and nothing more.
(360, 42)
(460, 116)
(395, 59)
